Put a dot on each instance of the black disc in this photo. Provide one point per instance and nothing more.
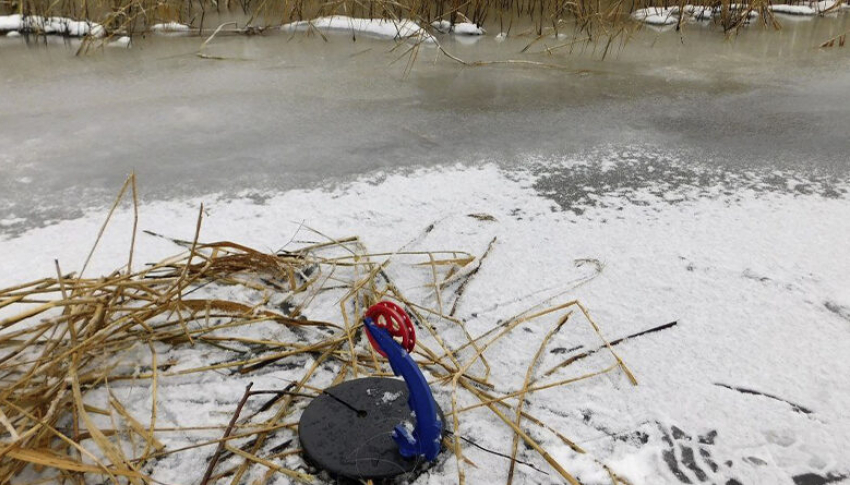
(347, 430)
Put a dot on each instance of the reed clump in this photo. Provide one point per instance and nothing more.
(128, 374)
(605, 21)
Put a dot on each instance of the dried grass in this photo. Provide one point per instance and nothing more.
(585, 22)
(66, 337)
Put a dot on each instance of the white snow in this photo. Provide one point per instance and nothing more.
(806, 8)
(759, 283)
(699, 12)
(50, 25)
(793, 9)
(123, 41)
(668, 16)
(460, 28)
(11, 22)
(657, 15)
(824, 5)
(740, 7)
(11, 221)
(169, 28)
(379, 28)
(13, 33)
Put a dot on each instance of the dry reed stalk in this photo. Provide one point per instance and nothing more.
(67, 335)
(521, 397)
(591, 22)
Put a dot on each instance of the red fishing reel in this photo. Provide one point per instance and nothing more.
(393, 319)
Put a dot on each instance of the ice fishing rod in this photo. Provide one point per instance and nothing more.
(376, 428)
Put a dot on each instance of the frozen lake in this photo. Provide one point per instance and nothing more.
(695, 182)
(289, 111)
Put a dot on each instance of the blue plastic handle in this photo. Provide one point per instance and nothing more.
(427, 435)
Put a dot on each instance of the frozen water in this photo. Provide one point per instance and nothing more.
(292, 110)
(705, 182)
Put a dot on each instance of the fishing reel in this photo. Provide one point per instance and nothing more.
(375, 427)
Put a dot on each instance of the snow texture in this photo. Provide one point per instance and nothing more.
(170, 28)
(123, 41)
(749, 387)
(699, 12)
(460, 28)
(379, 28)
(657, 15)
(806, 8)
(50, 25)
(668, 16)
(11, 22)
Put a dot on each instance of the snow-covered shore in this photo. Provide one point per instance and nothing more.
(661, 16)
(759, 283)
(50, 25)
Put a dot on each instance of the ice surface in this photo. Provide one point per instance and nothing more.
(229, 128)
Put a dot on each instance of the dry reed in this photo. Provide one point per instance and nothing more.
(584, 21)
(67, 342)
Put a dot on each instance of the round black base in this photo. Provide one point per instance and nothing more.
(347, 431)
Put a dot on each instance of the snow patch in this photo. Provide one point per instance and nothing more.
(793, 9)
(699, 12)
(460, 28)
(11, 221)
(657, 15)
(50, 25)
(123, 41)
(667, 16)
(11, 22)
(806, 8)
(170, 28)
(637, 466)
(378, 28)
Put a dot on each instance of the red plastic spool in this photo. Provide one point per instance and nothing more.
(394, 319)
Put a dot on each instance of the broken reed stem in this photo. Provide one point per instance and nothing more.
(135, 223)
(527, 439)
(521, 397)
(106, 223)
(227, 431)
(462, 288)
